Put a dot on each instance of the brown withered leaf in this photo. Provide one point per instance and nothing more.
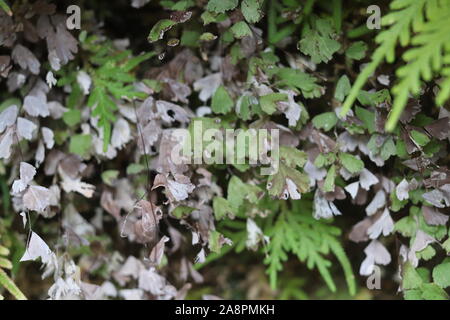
(325, 143)
(27, 173)
(439, 198)
(26, 59)
(36, 106)
(30, 32)
(7, 30)
(380, 120)
(180, 16)
(25, 128)
(359, 230)
(376, 253)
(176, 91)
(433, 217)
(146, 227)
(157, 252)
(437, 178)
(186, 65)
(170, 112)
(61, 44)
(383, 225)
(43, 7)
(411, 109)
(37, 198)
(439, 129)
(6, 142)
(70, 184)
(409, 144)
(418, 164)
(337, 194)
(109, 204)
(166, 161)
(177, 189)
(5, 66)
(8, 117)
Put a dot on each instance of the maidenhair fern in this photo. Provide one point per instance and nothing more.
(5, 280)
(423, 25)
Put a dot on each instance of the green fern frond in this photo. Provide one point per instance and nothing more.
(112, 78)
(5, 280)
(277, 248)
(424, 25)
(4, 6)
(311, 241)
(408, 14)
(444, 92)
(423, 61)
(9, 285)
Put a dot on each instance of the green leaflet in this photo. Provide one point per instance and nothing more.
(221, 101)
(135, 168)
(216, 241)
(80, 144)
(268, 101)
(318, 41)
(238, 194)
(207, 36)
(252, 10)
(356, 51)
(5, 263)
(222, 208)
(72, 117)
(241, 30)
(109, 176)
(182, 212)
(325, 121)
(350, 162)
(328, 185)
(441, 275)
(239, 191)
(420, 138)
(367, 117)
(220, 6)
(431, 291)
(411, 279)
(158, 30)
(342, 88)
(290, 160)
(277, 183)
(293, 157)
(302, 81)
(415, 288)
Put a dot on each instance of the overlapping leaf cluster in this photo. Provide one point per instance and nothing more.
(91, 189)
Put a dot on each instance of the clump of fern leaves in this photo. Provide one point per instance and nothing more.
(111, 72)
(5, 280)
(295, 231)
(422, 26)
